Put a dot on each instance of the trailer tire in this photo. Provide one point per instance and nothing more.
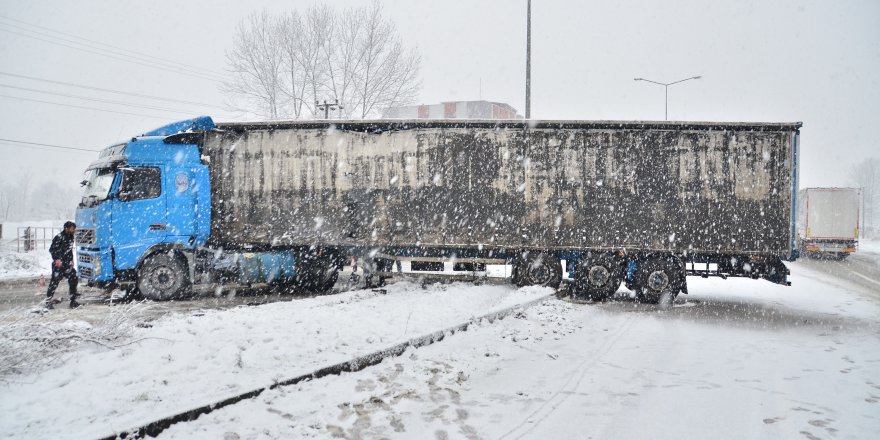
(658, 279)
(538, 270)
(597, 278)
(163, 276)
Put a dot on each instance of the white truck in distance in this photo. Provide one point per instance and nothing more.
(828, 221)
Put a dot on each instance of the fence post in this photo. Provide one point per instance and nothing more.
(28, 239)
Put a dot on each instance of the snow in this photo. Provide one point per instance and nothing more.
(725, 364)
(182, 362)
(15, 264)
(736, 358)
(870, 249)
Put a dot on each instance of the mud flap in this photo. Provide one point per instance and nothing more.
(777, 272)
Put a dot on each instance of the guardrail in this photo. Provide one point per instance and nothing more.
(29, 238)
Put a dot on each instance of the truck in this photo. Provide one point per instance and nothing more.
(828, 222)
(289, 203)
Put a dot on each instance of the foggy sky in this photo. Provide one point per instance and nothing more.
(780, 61)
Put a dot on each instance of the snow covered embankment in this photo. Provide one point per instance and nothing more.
(185, 362)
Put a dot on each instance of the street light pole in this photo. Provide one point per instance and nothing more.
(666, 91)
(529, 59)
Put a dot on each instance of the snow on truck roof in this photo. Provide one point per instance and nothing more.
(403, 124)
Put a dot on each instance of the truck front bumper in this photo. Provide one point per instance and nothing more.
(95, 265)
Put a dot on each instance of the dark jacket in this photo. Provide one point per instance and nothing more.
(62, 249)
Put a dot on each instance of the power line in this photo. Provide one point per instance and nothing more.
(153, 66)
(29, 144)
(82, 107)
(146, 58)
(105, 101)
(110, 90)
(112, 46)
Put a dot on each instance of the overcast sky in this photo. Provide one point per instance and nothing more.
(812, 61)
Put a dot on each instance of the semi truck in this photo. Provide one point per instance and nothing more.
(828, 222)
(288, 203)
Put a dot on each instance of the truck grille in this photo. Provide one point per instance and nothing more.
(85, 272)
(85, 236)
(85, 258)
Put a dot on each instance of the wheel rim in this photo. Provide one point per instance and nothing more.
(598, 276)
(541, 274)
(162, 278)
(658, 280)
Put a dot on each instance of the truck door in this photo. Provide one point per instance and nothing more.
(139, 214)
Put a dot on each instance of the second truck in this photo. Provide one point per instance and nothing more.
(288, 203)
(828, 222)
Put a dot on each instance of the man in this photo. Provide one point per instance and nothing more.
(62, 265)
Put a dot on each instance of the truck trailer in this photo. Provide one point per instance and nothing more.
(828, 222)
(288, 203)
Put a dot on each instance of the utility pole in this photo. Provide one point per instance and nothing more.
(529, 59)
(327, 106)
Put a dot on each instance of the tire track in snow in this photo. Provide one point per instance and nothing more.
(156, 427)
(549, 406)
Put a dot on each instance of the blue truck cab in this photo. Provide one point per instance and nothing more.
(142, 197)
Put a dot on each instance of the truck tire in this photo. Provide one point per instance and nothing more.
(657, 277)
(538, 270)
(597, 278)
(163, 276)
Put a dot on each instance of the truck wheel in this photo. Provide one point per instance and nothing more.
(163, 277)
(597, 278)
(658, 276)
(541, 270)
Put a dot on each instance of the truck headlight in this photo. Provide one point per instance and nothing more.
(97, 263)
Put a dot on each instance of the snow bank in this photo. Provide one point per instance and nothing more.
(15, 264)
(24, 264)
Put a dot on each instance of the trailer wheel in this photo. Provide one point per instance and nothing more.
(597, 278)
(657, 277)
(539, 270)
(162, 277)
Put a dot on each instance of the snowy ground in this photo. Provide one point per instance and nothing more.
(185, 361)
(737, 359)
(15, 264)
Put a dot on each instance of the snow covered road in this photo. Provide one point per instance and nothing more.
(734, 359)
(739, 359)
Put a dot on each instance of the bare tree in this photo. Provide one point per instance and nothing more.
(255, 63)
(304, 39)
(353, 56)
(342, 57)
(388, 74)
(866, 175)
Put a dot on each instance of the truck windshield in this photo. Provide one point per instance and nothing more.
(96, 186)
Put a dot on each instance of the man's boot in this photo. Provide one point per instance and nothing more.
(74, 304)
(49, 303)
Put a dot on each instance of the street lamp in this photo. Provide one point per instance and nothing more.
(666, 89)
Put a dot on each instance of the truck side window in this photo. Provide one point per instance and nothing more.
(140, 183)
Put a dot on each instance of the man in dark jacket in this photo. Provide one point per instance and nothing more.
(62, 264)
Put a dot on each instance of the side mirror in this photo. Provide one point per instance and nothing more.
(84, 183)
